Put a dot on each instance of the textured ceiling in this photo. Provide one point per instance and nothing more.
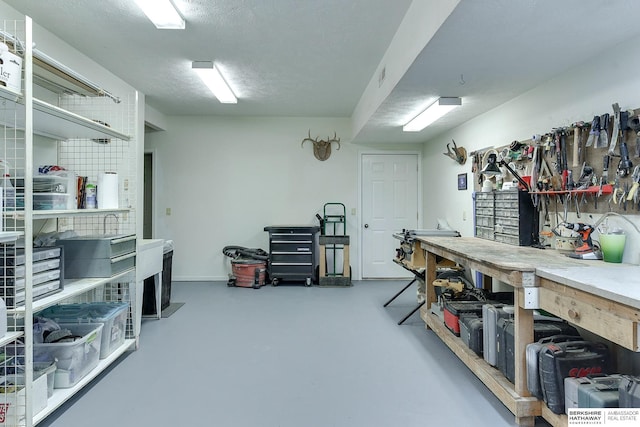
(315, 58)
(281, 57)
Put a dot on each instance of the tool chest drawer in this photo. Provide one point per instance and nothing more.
(293, 246)
(507, 217)
(292, 237)
(293, 253)
(291, 258)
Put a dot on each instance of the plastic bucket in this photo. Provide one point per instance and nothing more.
(612, 246)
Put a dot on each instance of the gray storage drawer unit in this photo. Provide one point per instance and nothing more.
(98, 255)
(293, 253)
(47, 273)
(507, 217)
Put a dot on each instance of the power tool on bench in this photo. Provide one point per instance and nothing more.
(587, 249)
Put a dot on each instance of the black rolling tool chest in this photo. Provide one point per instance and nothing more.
(293, 253)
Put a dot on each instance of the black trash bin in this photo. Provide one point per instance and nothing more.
(149, 295)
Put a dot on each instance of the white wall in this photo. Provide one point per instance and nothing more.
(225, 179)
(578, 94)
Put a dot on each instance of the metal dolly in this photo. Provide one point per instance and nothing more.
(334, 239)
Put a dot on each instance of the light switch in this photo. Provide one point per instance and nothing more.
(168, 211)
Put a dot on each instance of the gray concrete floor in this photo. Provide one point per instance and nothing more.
(286, 356)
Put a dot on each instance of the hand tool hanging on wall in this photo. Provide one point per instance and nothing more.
(558, 149)
(625, 165)
(603, 138)
(624, 124)
(634, 125)
(616, 128)
(631, 195)
(565, 165)
(575, 158)
(604, 179)
(594, 132)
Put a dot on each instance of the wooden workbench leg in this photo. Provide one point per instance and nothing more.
(323, 261)
(523, 336)
(526, 421)
(346, 266)
(429, 277)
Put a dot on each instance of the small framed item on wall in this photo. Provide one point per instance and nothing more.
(462, 181)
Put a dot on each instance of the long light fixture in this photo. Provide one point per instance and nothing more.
(162, 13)
(211, 76)
(436, 110)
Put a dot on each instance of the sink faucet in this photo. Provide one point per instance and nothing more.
(104, 224)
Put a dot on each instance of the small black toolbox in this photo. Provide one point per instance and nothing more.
(541, 329)
(568, 359)
(471, 331)
(532, 352)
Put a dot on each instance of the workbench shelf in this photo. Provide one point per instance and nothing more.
(586, 293)
(520, 406)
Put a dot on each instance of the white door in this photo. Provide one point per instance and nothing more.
(389, 204)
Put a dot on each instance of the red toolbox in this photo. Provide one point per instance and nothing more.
(453, 309)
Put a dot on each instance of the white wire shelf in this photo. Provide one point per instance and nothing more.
(61, 395)
(55, 122)
(61, 213)
(9, 236)
(9, 337)
(71, 288)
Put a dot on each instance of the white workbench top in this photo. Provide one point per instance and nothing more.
(617, 282)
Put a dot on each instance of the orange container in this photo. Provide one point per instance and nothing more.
(244, 271)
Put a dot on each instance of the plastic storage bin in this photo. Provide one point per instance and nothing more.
(12, 402)
(50, 201)
(74, 360)
(113, 315)
(48, 370)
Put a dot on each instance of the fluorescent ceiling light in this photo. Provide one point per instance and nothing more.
(162, 13)
(436, 110)
(211, 76)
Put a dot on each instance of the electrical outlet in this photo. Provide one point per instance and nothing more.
(168, 211)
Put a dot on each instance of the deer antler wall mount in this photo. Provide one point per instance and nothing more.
(459, 154)
(322, 148)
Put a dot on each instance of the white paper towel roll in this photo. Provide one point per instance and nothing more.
(108, 190)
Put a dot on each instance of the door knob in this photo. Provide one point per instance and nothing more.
(366, 226)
